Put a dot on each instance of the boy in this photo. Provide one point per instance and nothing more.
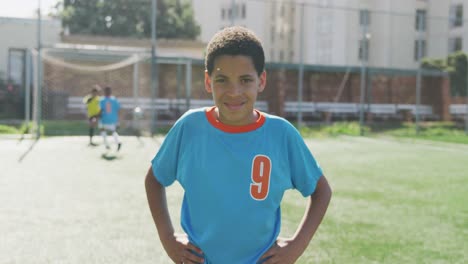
(234, 164)
(110, 108)
(92, 105)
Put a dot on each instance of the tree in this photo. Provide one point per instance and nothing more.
(456, 64)
(128, 18)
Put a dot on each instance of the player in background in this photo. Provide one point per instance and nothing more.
(109, 122)
(234, 164)
(93, 111)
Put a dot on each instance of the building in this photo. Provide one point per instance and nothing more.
(388, 34)
(19, 35)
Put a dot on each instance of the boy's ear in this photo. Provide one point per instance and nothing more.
(207, 82)
(262, 83)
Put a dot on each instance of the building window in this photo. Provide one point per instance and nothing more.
(420, 21)
(324, 23)
(364, 50)
(364, 17)
(291, 55)
(223, 13)
(455, 44)
(244, 11)
(16, 66)
(281, 56)
(417, 55)
(273, 34)
(456, 16)
(291, 40)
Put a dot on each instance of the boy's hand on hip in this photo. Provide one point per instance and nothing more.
(180, 250)
(282, 252)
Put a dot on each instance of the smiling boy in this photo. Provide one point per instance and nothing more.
(234, 164)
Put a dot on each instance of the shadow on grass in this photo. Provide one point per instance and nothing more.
(109, 156)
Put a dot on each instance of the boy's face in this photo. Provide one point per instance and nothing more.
(235, 85)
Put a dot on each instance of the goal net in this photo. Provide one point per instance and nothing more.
(68, 75)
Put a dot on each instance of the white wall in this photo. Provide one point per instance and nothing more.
(208, 16)
(21, 33)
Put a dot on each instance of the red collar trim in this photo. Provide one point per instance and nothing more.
(211, 116)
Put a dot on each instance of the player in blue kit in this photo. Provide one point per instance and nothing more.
(234, 164)
(109, 121)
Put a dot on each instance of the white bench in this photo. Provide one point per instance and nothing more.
(421, 109)
(458, 111)
(383, 109)
(424, 111)
(338, 108)
(341, 110)
(75, 105)
(292, 108)
(197, 103)
(162, 105)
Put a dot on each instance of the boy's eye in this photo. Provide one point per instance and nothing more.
(246, 80)
(219, 80)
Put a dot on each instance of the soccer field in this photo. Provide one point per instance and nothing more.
(394, 201)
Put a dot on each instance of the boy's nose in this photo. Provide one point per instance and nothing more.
(235, 89)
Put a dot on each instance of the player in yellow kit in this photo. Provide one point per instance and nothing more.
(92, 105)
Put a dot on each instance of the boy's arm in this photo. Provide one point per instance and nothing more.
(289, 250)
(313, 216)
(156, 194)
(177, 246)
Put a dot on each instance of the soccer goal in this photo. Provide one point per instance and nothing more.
(68, 74)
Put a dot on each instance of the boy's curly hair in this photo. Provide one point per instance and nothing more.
(235, 41)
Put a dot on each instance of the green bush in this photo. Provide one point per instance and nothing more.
(336, 129)
(456, 65)
(4, 129)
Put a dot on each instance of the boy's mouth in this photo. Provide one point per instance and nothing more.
(234, 106)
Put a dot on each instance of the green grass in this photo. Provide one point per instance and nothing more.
(67, 128)
(435, 131)
(80, 128)
(393, 202)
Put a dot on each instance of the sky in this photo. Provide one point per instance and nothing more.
(24, 8)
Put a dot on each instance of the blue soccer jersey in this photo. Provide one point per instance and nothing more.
(110, 107)
(234, 179)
